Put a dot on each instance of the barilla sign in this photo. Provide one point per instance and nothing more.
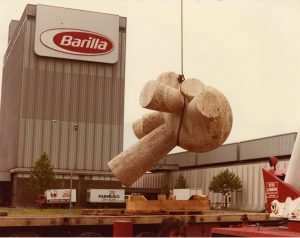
(74, 34)
(77, 42)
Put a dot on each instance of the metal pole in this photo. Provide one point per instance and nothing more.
(71, 181)
(75, 127)
(72, 170)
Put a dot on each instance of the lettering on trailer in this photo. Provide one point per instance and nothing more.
(272, 189)
(77, 42)
(66, 194)
(111, 196)
(57, 200)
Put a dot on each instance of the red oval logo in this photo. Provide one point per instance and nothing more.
(83, 42)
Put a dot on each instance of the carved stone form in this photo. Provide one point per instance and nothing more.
(191, 115)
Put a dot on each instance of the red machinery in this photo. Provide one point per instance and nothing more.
(275, 187)
(282, 201)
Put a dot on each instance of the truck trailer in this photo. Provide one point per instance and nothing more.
(106, 197)
(60, 196)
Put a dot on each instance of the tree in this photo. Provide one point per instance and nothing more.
(181, 182)
(165, 189)
(42, 175)
(225, 182)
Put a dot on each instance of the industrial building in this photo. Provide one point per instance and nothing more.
(246, 159)
(65, 98)
(69, 103)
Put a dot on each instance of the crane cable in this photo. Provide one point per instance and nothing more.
(181, 22)
(181, 76)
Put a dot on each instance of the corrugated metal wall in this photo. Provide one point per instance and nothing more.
(264, 147)
(225, 153)
(251, 197)
(156, 180)
(10, 101)
(74, 93)
(253, 149)
(12, 27)
(179, 158)
(4, 176)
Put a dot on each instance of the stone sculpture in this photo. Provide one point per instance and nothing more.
(189, 114)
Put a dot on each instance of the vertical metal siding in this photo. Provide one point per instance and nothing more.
(4, 176)
(235, 195)
(107, 115)
(30, 10)
(179, 158)
(121, 89)
(89, 145)
(251, 197)
(225, 153)
(98, 113)
(260, 148)
(254, 149)
(156, 180)
(87, 94)
(12, 28)
(29, 101)
(14, 35)
(10, 102)
(191, 159)
(54, 143)
(90, 127)
(60, 143)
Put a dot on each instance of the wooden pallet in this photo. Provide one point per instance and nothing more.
(195, 205)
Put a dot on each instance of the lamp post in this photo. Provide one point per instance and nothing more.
(71, 180)
(75, 128)
(71, 185)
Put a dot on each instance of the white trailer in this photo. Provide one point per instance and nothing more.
(106, 195)
(186, 193)
(60, 196)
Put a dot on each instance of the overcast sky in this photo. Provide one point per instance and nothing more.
(248, 49)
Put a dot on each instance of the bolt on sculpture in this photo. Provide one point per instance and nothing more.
(190, 114)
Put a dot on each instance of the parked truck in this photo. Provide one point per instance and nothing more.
(106, 197)
(60, 196)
